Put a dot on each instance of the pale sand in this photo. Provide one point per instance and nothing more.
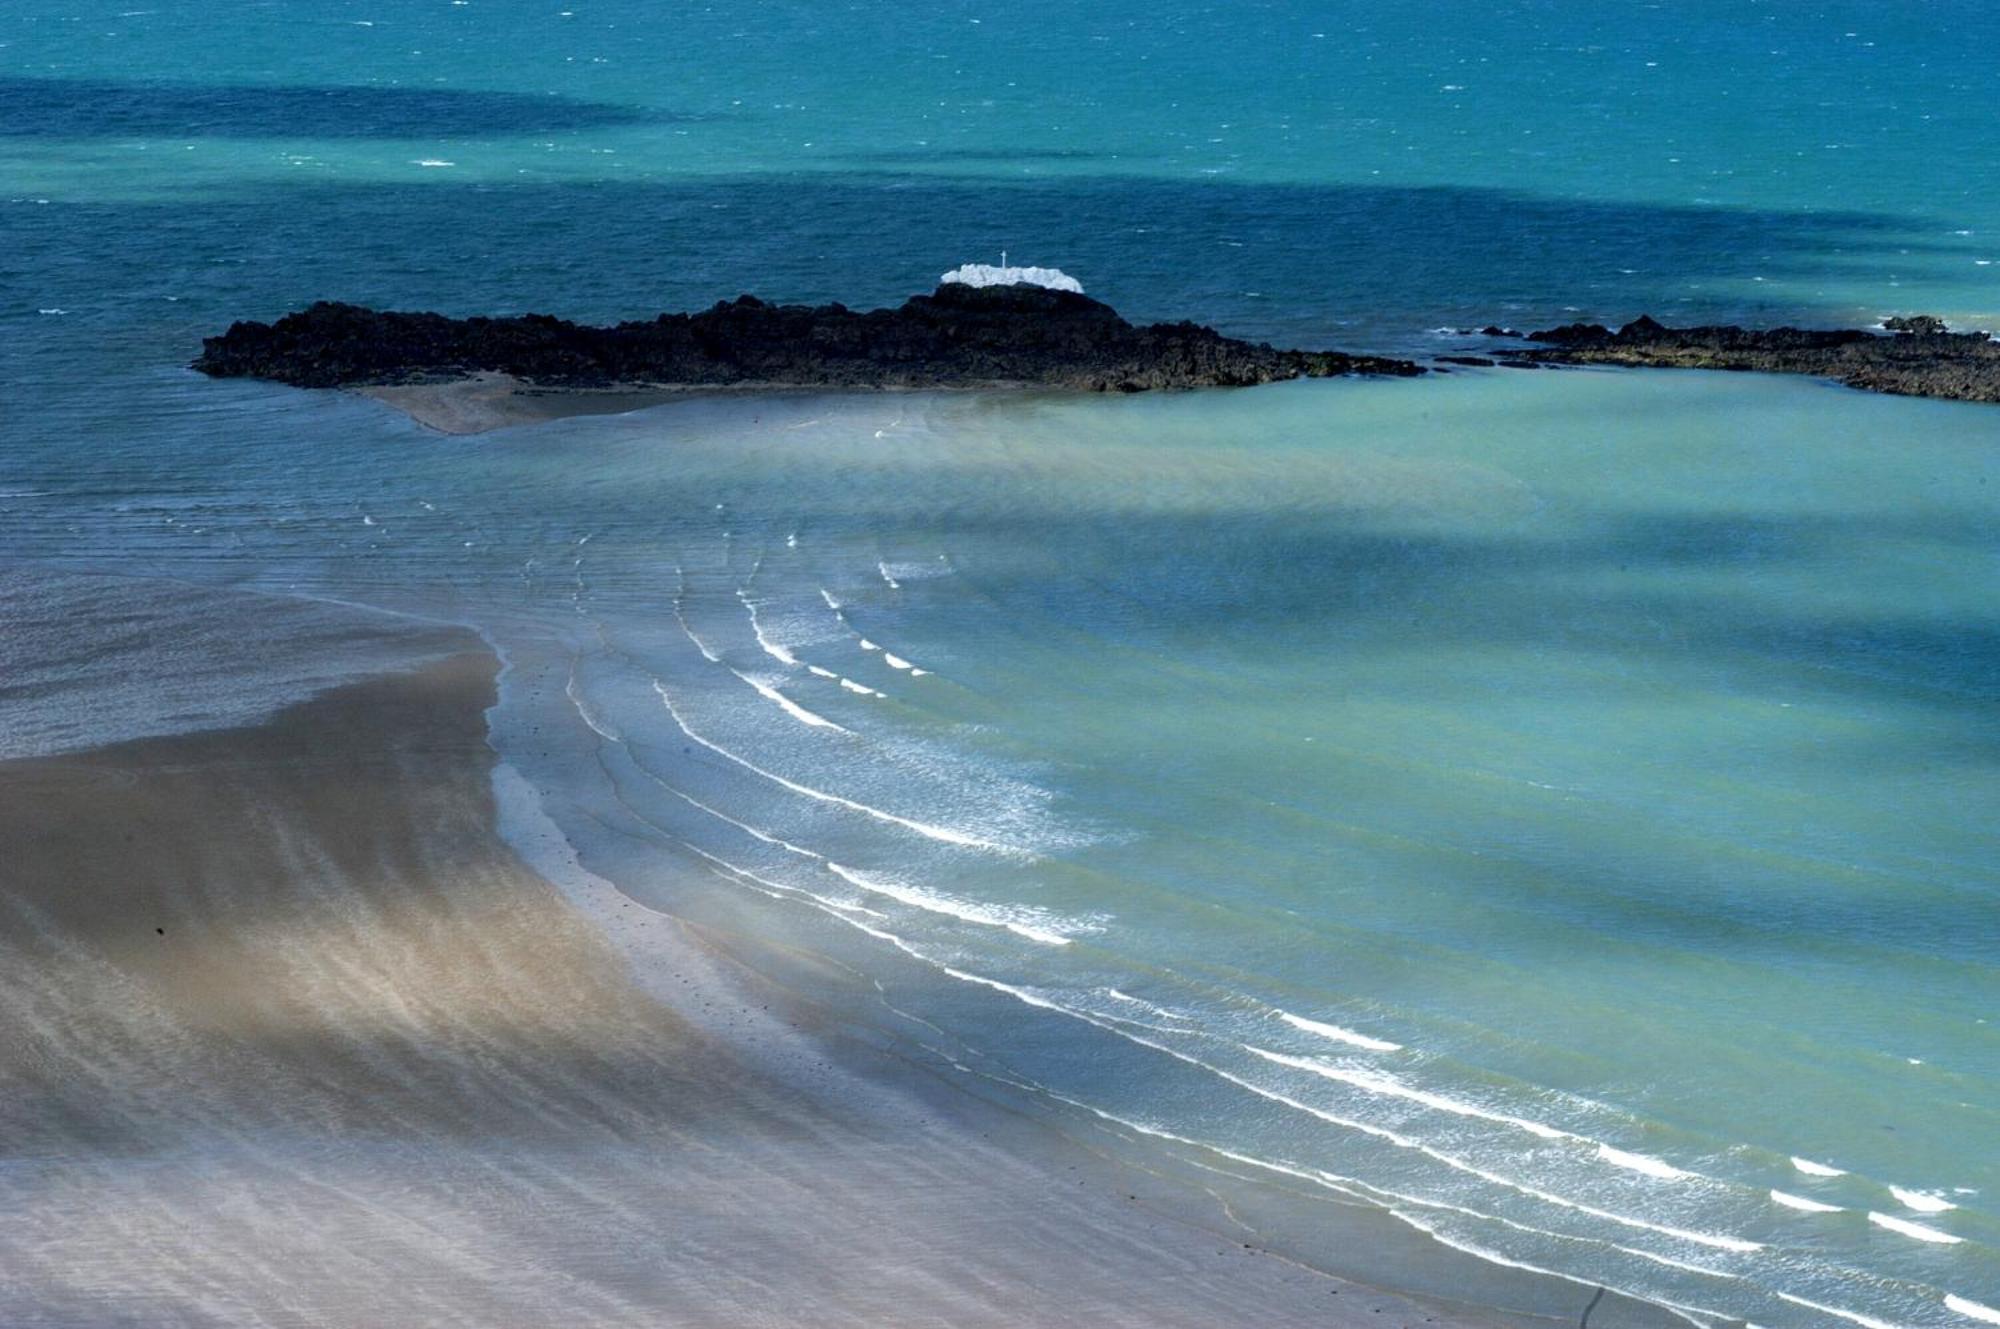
(289, 1037)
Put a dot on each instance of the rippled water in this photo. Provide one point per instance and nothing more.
(1546, 805)
(1556, 808)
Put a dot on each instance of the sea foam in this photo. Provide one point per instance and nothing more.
(943, 834)
(1855, 1317)
(1916, 1230)
(1646, 1163)
(1802, 1204)
(1389, 1086)
(1921, 1201)
(1031, 924)
(775, 650)
(1971, 1308)
(787, 705)
(1338, 1034)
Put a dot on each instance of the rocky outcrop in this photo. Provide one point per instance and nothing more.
(959, 336)
(1920, 358)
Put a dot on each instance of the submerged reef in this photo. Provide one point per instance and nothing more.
(959, 336)
(1918, 358)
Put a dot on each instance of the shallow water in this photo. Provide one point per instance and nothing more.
(1555, 807)
(1545, 804)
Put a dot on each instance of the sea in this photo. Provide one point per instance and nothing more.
(1553, 813)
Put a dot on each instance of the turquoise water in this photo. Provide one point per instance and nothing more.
(1553, 808)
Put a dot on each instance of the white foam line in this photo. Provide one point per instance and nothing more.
(1646, 1163)
(895, 661)
(569, 688)
(1812, 1169)
(1363, 1190)
(1390, 1086)
(1346, 1186)
(790, 707)
(1971, 1308)
(771, 648)
(1692, 1314)
(894, 585)
(1916, 1230)
(699, 644)
(1382, 1083)
(1380, 1132)
(840, 909)
(1854, 1317)
(723, 868)
(1804, 1205)
(827, 596)
(1459, 1164)
(950, 906)
(1480, 1214)
(1337, 1034)
(847, 683)
(943, 834)
(1921, 1202)
(743, 826)
(1672, 1263)
(687, 798)
(777, 888)
(1479, 1252)
(1144, 1005)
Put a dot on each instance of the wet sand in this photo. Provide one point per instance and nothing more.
(290, 1036)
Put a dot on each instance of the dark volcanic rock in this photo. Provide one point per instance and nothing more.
(1923, 324)
(1920, 360)
(958, 336)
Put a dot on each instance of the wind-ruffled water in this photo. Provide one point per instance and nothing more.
(1545, 805)
(1554, 808)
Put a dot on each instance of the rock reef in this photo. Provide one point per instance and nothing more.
(959, 336)
(1918, 358)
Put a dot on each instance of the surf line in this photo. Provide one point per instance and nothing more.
(942, 834)
(770, 693)
(1401, 1141)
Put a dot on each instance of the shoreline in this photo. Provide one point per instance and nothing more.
(299, 1034)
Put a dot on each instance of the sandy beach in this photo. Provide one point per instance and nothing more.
(289, 1036)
